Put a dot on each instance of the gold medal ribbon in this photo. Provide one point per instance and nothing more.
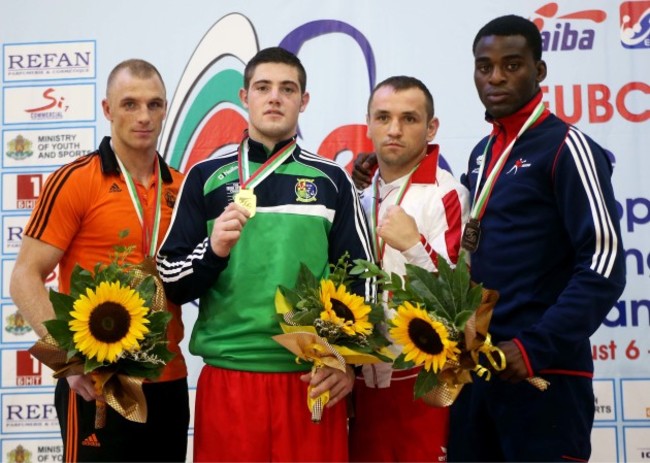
(247, 181)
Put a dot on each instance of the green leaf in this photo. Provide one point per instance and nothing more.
(60, 331)
(162, 352)
(425, 381)
(158, 322)
(147, 289)
(92, 364)
(474, 297)
(63, 305)
(376, 314)
(362, 265)
(305, 317)
(431, 298)
(400, 364)
(305, 278)
(292, 297)
(461, 318)
(447, 290)
(461, 281)
(79, 281)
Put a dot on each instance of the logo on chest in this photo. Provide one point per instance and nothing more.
(306, 190)
(519, 164)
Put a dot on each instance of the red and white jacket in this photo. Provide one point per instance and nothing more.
(440, 206)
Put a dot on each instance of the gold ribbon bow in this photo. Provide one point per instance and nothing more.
(493, 354)
(310, 347)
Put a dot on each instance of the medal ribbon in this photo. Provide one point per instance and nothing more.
(479, 204)
(378, 244)
(150, 227)
(251, 181)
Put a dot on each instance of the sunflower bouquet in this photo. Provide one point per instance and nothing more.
(441, 323)
(112, 325)
(324, 323)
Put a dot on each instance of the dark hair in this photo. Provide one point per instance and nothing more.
(275, 55)
(137, 67)
(404, 83)
(513, 25)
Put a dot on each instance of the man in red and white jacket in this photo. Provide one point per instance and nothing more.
(416, 211)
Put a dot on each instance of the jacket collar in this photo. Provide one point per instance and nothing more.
(426, 171)
(110, 165)
(512, 123)
(257, 148)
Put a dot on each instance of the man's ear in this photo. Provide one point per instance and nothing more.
(304, 100)
(432, 128)
(243, 97)
(541, 71)
(106, 108)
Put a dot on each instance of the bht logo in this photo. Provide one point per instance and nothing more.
(28, 188)
(635, 24)
(567, 34)
(28, 369)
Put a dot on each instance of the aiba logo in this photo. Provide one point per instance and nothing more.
(635, 24)
(568, 33)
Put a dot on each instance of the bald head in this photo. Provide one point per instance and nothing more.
(137, 68)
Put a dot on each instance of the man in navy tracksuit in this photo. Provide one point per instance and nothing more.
(550, 244)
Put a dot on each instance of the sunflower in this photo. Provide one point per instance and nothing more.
(108, 321)
(425, 339)
(348, 311)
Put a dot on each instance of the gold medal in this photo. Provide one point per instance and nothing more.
(471, 235)
(247, 199)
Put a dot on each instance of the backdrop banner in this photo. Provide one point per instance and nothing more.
(56, 57)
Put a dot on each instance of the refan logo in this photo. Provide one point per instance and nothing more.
(569, 30)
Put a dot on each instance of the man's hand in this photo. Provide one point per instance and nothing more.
(84, 386)
(515, 370)
(398, 229)
(326, 378)
(227, 229)
(364, 166)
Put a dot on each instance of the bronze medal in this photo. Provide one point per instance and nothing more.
(247, 199)
(471, 235)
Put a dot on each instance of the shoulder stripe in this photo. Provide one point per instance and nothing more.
(361, 226)
(309, 158)
(606, 244)
(55, 182)
(318, 158)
